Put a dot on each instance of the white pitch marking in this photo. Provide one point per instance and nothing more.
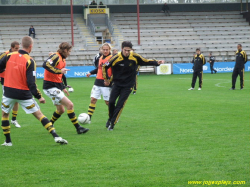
(219, 84)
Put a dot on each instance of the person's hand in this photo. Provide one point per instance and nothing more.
(68, 86)
(64, 70)
(106, 82)
(41, 100)
(66, 92)
(161, 62)
(88, 75)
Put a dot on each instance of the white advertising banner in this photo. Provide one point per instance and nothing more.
(163, 69)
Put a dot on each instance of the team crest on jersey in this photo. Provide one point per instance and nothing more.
(106, 63)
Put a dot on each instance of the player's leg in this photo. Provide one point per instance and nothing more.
(30, 106)
(95, 95)
(105, 92)
(115, 93)
(124, 94)
(7, 105)
(214, 69)
(200, 75)
(234, 78)
(211, 68)
(60, 100)
(92, 107)
(135, 86)
(193, 80)
(56, 95)
(72, 116)
(57, 114)
(14, 115)
(241, 72)
(49, 126)
(6, 129)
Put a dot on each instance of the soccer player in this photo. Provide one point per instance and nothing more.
(211, 61)
(124, 67)
(19, 86)
(53, 86)
(14, 47)
(99, 89)
(199, 61)
(241, 59)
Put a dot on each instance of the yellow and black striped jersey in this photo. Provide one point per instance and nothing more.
(53, 75)
(241, 59)
(124, 69)
(199, 61)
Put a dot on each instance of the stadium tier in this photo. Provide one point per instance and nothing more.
(51, 30)
(173, 38)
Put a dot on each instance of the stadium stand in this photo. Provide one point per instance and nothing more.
(171, 38)
(51, 30)
(175, 38)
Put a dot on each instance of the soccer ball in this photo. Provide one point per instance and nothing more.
(84, 118)
(71, 89)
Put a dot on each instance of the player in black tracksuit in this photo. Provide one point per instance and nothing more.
(211, 61)
(241, 59)
(198, 61)
(124, 68)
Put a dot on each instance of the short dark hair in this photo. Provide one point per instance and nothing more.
(198, 49)
(127, 44)
(240, 45)
(13, 44)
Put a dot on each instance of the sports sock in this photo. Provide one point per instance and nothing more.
(14, 114)
(6, 129)
(55, 117)
(73, 119)
(48, 125)
(91, 109)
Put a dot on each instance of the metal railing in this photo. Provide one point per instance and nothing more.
(91, 25)
(110, 2)
(95, 6)
(241, 6)
(109, 25)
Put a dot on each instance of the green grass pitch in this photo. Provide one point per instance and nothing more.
(166, 136)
